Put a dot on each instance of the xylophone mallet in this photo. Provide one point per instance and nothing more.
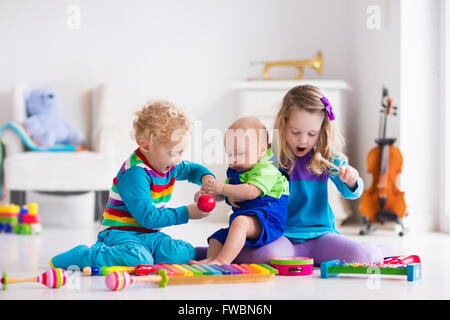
(318, 156)
(103, 271)
(139, 270)
(53, 278)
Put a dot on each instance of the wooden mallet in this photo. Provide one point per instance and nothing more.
(319, 157)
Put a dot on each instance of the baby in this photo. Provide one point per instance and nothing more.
(256, 189)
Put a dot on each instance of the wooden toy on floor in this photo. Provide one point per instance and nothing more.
(412, 271)
(139, 270)
(292, 266)
(9, 217)
(20, 220)
(54, 278)
(194, 274)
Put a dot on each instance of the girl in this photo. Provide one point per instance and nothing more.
(306, 133)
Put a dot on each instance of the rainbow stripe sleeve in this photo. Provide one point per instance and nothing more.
(144, 210)
(193, 172)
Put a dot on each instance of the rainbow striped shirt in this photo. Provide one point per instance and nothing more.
(139, 195)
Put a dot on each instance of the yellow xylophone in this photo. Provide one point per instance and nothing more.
(194, 274)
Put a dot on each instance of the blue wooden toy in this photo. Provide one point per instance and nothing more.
(333, 268)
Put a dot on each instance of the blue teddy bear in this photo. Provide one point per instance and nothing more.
(44, 124)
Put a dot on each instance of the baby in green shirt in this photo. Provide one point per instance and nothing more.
(257, 191)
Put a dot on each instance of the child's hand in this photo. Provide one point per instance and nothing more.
(195, 213)
(213, 187)
(348, 175)
(198, 194)
(233, 202)
(207, 179)
(217, 186)
(207, 187)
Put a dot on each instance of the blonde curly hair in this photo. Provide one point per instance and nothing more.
(158, 121)
(330, 142)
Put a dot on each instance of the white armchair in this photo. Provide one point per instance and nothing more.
(70, 172)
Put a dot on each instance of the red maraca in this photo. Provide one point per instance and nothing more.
(54, 278)
(206, 203)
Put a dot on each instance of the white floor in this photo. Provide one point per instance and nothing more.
(27, 256)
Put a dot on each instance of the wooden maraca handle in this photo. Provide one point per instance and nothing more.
(151, 278)
(18, 280)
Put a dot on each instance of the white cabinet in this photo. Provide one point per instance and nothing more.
(262, 99)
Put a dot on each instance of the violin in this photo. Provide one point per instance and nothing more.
(383, 201)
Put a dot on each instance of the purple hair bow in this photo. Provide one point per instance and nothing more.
(329, 108)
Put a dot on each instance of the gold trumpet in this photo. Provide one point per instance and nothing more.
(316, 63)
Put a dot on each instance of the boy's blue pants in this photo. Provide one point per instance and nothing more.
(127, 248)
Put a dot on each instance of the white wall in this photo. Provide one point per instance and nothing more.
(444, 222)
(374, 62)
(420, 120)
(188, 51)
